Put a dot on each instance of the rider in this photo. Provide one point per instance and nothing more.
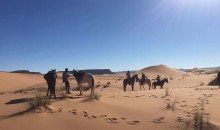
(158, 78)
(143, 77)
(128, 76)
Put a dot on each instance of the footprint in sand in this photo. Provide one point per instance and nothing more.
(92, 117)
(179, 119)
(183, 106)
(112, 120)
(60, 109)
(158, 120)
(84, 113)
(74, 111)
(123, 118)
(133, 122)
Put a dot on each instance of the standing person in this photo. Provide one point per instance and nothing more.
(66, 80)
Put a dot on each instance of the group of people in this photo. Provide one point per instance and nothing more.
(143, 77)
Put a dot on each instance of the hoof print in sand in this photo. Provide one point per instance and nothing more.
(112, 120)
(159, 120)
(133, 122)
(74, 112)
(179, 119)
(84, 113)
(92, 117)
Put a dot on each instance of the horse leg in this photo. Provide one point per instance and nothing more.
(48, 90)
(125, 87)
(54, 92)
(80, 89)
(92, 91)
(132, 87)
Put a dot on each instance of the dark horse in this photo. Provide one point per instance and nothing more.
(132, 81)
(82, 77)
(218, 79)
(50, 77)
(161, 83)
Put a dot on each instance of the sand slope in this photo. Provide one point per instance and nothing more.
(115, 109)
(15, 81)
(161, 70)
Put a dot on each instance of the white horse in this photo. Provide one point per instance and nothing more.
(82, 77)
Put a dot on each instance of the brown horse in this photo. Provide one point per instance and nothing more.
(131, 82)
(82, 77)
(144, 82)
(50, 77)
(161, 83)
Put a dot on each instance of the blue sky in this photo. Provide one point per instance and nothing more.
(39, 35)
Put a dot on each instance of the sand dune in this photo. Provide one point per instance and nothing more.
(112, 108)
(161, 70)
(15, 81)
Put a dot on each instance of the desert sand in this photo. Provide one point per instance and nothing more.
(112, 108)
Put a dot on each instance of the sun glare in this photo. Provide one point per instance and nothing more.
(198, 3)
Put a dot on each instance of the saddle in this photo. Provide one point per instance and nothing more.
(80, 76)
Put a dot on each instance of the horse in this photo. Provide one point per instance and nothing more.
(218, 79)
(132, 81)
(82, 77)
(142, 83)
(50, 77)
(161, 83)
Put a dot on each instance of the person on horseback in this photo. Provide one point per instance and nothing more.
(143, 78)
(158, 78)
(128, 76)
(65, 77)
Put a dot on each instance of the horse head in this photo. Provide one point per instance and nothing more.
(53, 72)
(166, 80)
(75, 72)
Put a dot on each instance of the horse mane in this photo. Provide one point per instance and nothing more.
(78, 75)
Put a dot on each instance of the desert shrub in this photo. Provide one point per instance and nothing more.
(171, 105)
(199, 122)
(39, 101)
(167, 91)
(62, 92)
(96, 96)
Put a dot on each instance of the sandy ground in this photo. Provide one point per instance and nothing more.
(114, 109)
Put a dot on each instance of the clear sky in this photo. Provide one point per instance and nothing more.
(39, 35)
